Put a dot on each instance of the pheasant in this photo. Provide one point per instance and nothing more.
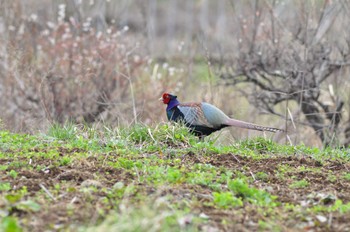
(203, 118)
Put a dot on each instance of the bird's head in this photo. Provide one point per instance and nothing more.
(167, 97)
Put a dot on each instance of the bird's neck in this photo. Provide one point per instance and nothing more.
(172, 104)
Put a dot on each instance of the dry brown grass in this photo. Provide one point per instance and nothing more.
(67, 70)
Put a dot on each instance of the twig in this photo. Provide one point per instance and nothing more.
(291, 118)
(290, 141)
(104, 160)
(150, 133)
(137, 173)
(47, 192)
(73, 200)
(131, 92)
(330, 219)
(236, 158)
(252, 175)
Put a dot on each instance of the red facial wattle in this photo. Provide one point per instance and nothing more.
(166, 98)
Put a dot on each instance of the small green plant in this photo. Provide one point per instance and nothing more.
(347, 176)
(341, 207)
(13, 174)
(173, 175)
(65, 132)
(65, 160)
(57, 186)
(337, 206)
(28, 206)
(268, 226)
(262, 176)
(284, 168)
(299, 184)
(126, 163)
(5, 186)
(225, 177)
(259, 144)
(331, 177)
(226, 200)
(10, 224)
(139, 133)
(3, 167)
(259, 197)
(201, 178)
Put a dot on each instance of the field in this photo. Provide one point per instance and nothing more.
(85, 144)
(141, 178)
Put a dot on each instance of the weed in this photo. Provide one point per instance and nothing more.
(225, 177)
(65, 132)
(201, 178)
(269, 226)
(338, 206)
(226, 200)
(10, 224)
(331, 177)
(346, 176)
(173, 175)
(262, 176)
(65, 160)
(259, 144)
(299, 184)
(256, 196)
(5, 186)
(126, 163)
(13, 174)
(28, 206)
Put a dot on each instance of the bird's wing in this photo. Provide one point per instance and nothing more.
(214, 115)
(194, 115)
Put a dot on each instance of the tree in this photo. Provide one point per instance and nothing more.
(291, 53)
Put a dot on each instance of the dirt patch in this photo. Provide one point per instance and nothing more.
(81, 192)
(318, 175)
(324, 179)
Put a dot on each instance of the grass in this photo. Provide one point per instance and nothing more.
(299, 184)
(79, 178)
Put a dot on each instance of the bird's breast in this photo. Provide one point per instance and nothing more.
(174, 114)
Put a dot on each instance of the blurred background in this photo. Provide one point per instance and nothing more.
(276, 63)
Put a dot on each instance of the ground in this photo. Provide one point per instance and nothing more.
(161, 180)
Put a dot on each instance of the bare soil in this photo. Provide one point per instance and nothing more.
(70, 206)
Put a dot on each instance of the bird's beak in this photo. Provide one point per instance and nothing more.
(160, 99)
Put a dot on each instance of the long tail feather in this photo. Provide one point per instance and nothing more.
(247, 125)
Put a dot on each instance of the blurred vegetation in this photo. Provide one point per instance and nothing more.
(106, 62)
